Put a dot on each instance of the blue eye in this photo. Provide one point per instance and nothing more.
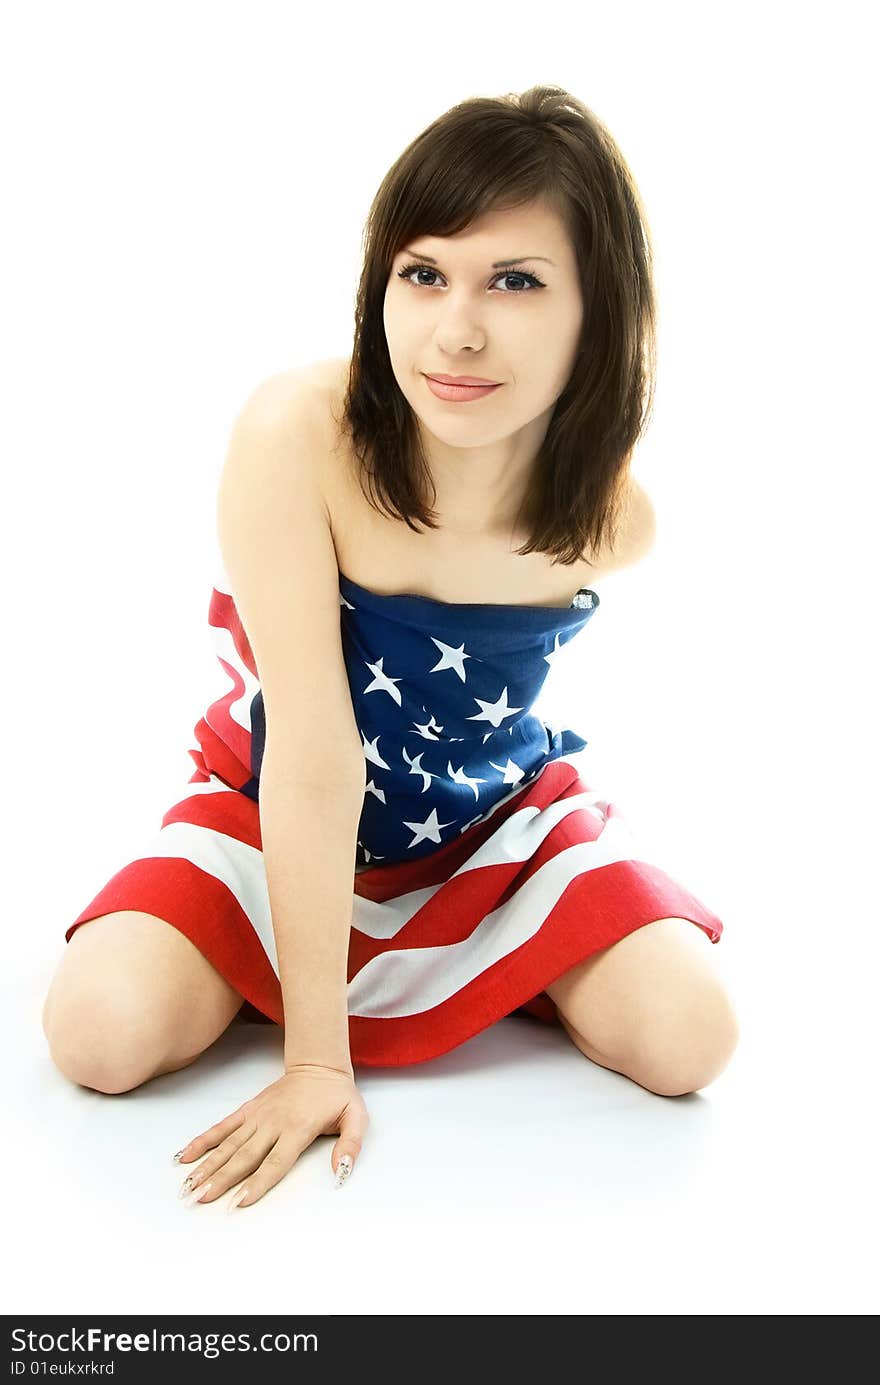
(532, 279)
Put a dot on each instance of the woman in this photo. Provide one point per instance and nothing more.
(385, 652)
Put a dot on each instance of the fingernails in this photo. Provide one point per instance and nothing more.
(191, 1181)
(200, 1192)
(343, 1169)
(176, 1157)
(239, 1197)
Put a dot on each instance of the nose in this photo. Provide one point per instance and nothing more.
(454, 336)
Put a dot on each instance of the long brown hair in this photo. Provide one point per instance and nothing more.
(496, 153)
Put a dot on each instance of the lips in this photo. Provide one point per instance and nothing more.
(461, 380)
(457, 393)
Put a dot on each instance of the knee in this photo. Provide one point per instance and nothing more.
(97, 1042)
(689, 1051)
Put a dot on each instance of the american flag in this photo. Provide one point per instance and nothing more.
(487, 865)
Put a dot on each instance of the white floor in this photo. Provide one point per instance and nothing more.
(509, 1176)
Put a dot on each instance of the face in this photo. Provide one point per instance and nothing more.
(517, 325)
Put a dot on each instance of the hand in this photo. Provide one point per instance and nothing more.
(263, 1139)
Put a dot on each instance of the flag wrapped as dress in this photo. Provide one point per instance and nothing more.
(486, 865)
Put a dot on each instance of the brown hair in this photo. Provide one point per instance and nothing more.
(489, 154)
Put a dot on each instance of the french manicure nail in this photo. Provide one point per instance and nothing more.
(343, 1169)
(239, 1197)
(199, 1192)
(176, 1157)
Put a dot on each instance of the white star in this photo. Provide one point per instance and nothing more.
(494, 711)
(380, 793)
(429, 830)
(458, 776)
(429, 728)
(416, 768)
(372, 753)
(556, 650)
(453, 657)
(382, 683)
(512, 772)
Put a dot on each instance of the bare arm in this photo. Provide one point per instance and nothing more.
(278, 551)
(309, 841)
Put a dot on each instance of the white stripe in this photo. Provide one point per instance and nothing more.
(517, 839)
(412, 980)
(239, 866)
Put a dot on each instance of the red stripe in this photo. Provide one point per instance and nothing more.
(234, 814)
(203, 909)
(596, 909)
(223, 615)
(215, 756)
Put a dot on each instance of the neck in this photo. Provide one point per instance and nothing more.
(480, 490)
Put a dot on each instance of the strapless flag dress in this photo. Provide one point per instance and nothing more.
(486, 864)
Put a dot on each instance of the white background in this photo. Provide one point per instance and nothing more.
(185, 191)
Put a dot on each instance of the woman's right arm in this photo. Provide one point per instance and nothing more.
(309, 839)
(277, 548)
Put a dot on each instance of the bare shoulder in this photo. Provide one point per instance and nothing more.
(296, 406)
(306, 402)
(300, 393)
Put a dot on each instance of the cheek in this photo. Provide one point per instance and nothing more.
(569, 340)
(398, 329)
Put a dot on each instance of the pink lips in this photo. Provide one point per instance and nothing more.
(461, 379)
(455, 391)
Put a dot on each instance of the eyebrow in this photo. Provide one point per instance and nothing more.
(496, 264)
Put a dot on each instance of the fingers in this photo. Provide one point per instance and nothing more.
(345, 1153)
(221, 1157)
(278, 1161)
(352, 1128)
(260, 1158)
(209, 1138)
(261, 1141)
